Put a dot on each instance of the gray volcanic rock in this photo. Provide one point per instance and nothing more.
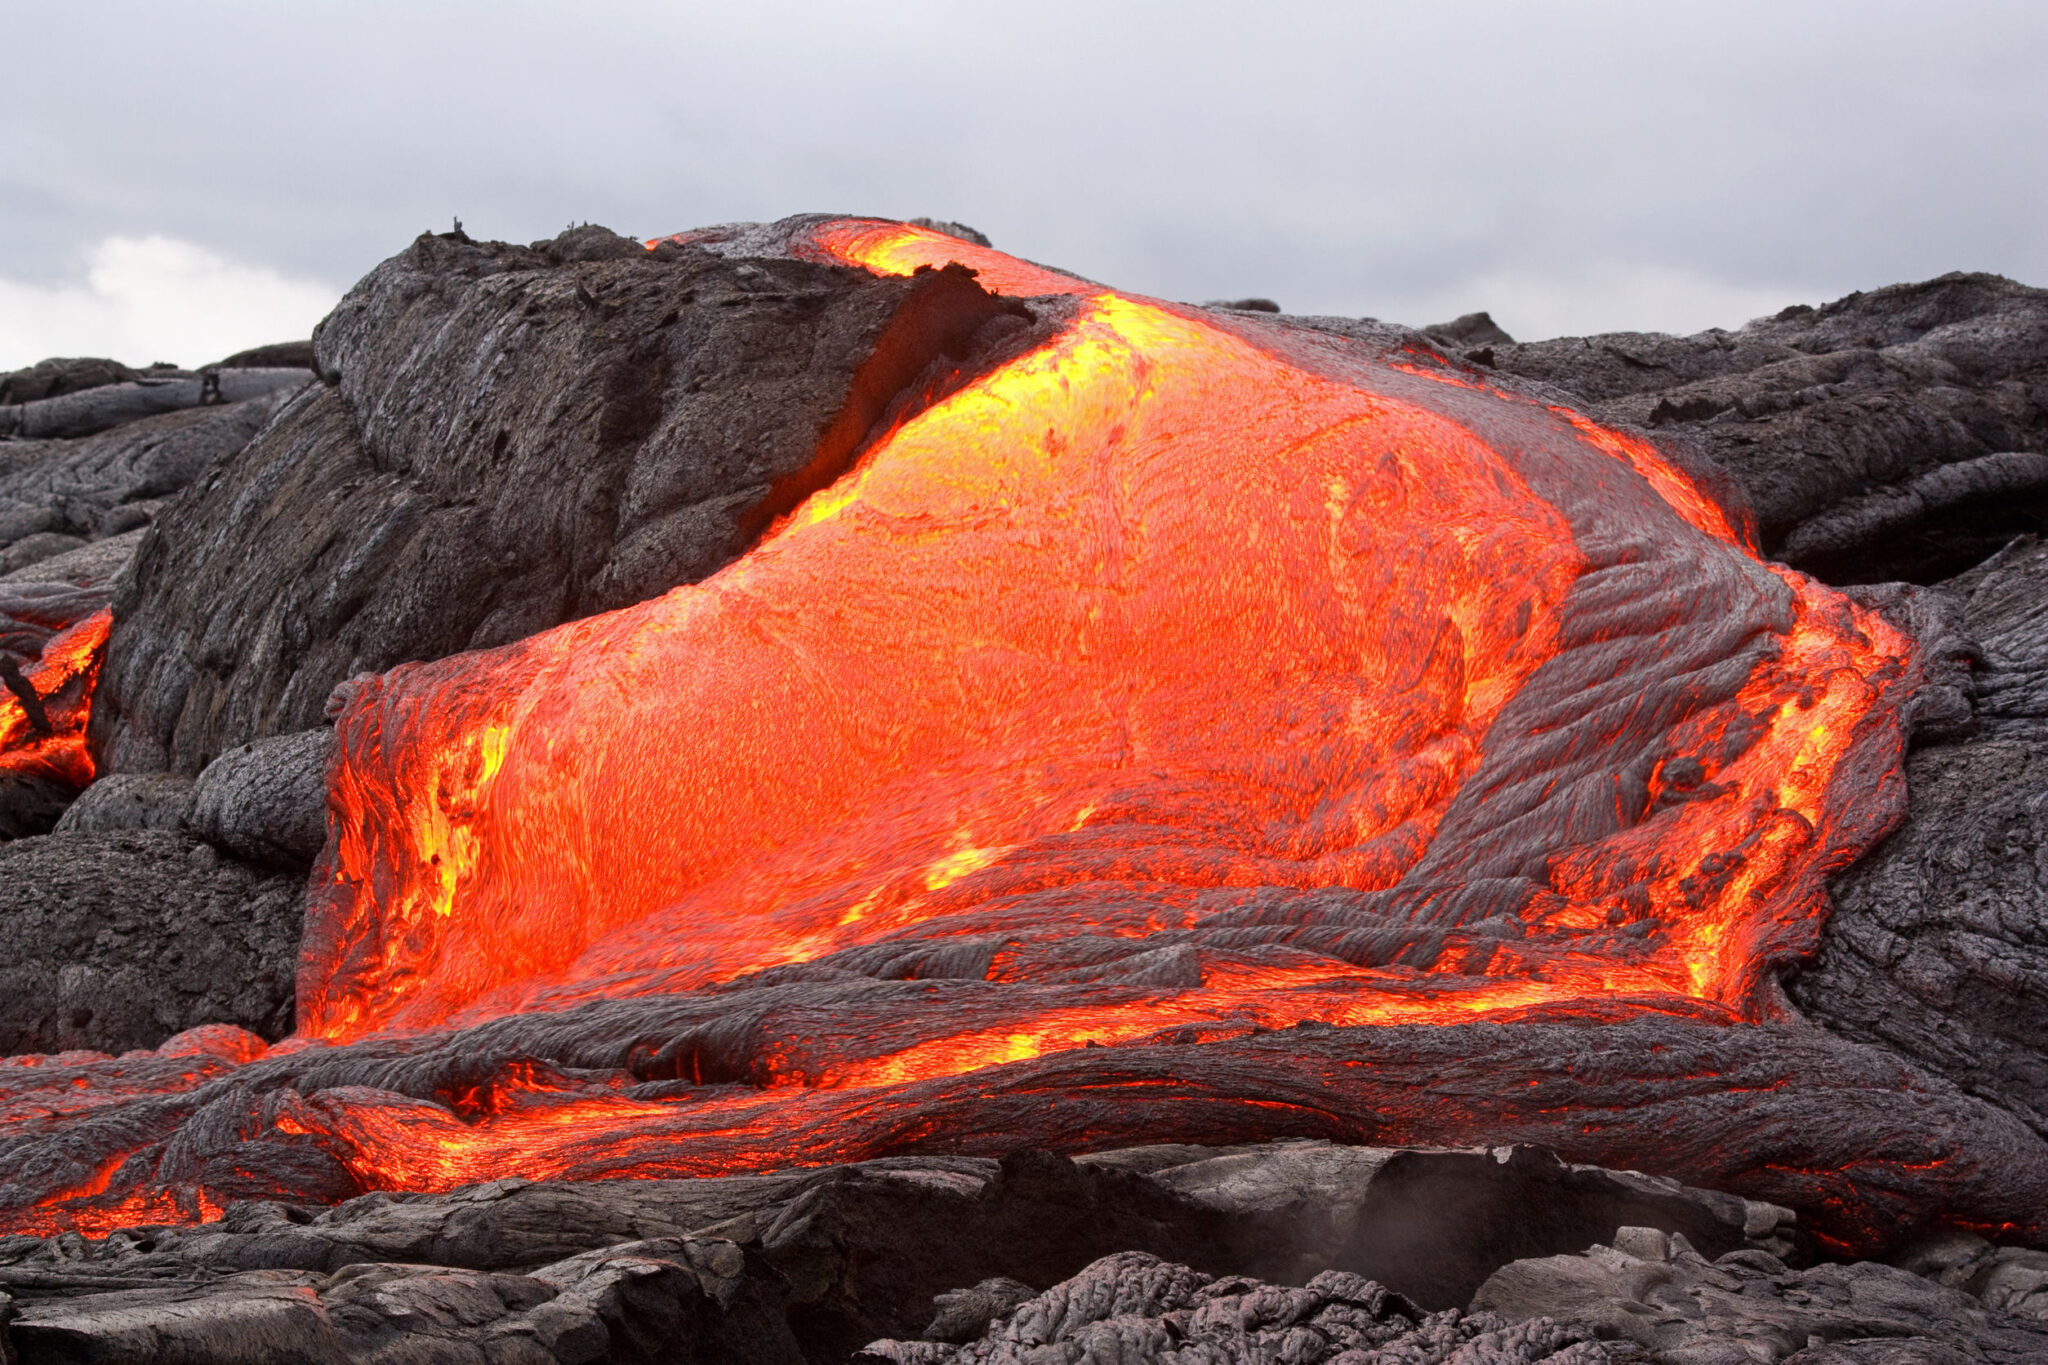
(1839, 422)
(510, 437)
(266, 801)
(1666, 1298)
(817, 1262)
(129, 801)
(104, 407)
(94, 564)
(1136, 1308)
(1938, 946)
(118, 940)
(1471, 330)
(61, 375)
(82, 487)
(73, 512)
(277, 355)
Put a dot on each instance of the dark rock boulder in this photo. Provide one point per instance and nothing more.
(266, 800)
(1661, 1295)
(1894, 434)
(114, 941)
(106, 406)
(71, 495)
(58, 376)
(812, 1264)
(1137, 1309)
(129, 801)
(1938, 945)
(1469, 331)
(511, 437)
(279, 355)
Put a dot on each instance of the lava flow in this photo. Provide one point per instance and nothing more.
(1185, 676)
(1155, 606)
(44, 710)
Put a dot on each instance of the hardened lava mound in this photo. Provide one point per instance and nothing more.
(1131, 722)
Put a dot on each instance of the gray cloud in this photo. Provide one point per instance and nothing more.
(1569, 164)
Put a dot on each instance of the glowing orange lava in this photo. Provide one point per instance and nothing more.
(1149, 604)
(62, 676)
(1184, 677)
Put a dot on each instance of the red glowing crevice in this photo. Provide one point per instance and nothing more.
(62, 677)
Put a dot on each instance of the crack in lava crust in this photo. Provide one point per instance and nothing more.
(1183, 678)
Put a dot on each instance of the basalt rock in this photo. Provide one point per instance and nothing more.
(297, 355)
(816, 1263)
(61, 375)
(1136, 1308)
(1938, 946)
(1659, 1294)
(266, 801)
(101, 408)
(1894, 434)
(509, 438)
(73, 512)
(113, 941)
(130, 801)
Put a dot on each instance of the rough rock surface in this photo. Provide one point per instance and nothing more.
(1134, 1307)
(1883, 436)
(1661, 1295)
(129, 801)
(105, 484)
(1938, 946)
(266, 800)
(73, 512)
(812, 1264)
(591, 424)
(60, 375)
(2010, 1280)
(296, 355)
(103, 407)
(119, 940)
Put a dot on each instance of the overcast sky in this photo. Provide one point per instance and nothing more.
(178, 181)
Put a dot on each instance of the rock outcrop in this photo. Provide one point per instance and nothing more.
(1938, 945)
(1151, 1256)
(113, 941)
(1894, 434)
(508, 438)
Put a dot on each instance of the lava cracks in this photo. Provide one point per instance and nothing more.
(1187, 677)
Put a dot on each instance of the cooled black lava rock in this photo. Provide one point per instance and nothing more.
(117, 941)
(61, 375)
(1938, 945)
(812, 1264)
(1838, 422)
(1659, 1295)
(510, 437)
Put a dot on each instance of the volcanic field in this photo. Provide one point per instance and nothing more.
(817, 791)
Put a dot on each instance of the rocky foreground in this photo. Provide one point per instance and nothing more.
(1294, 1252)
(492, 440)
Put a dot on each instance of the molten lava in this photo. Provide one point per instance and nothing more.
(49, 743)
(1183, 677)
